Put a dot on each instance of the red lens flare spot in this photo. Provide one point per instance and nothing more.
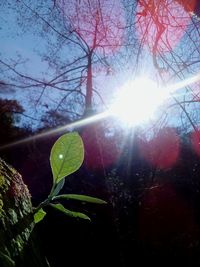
(162, 151)
(161, 24)
(164, 215)
(189, 6)
(195, 140)
(97, 24)
(101, 150)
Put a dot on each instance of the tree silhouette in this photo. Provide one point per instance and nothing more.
(80, 36)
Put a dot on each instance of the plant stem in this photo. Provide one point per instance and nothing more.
(42, 204)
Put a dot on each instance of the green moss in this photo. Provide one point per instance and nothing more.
(13, 216)
(19, 242)
(7, 261)
(1, 205)
(2, 180)
(15, 212)
(16, 221)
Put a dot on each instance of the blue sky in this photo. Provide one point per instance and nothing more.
(13, 43)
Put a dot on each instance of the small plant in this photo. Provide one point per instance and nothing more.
(67, 155)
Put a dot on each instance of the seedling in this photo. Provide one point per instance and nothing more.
(67, 155)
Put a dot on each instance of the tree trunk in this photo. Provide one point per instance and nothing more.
(17, 248)
(88, 99)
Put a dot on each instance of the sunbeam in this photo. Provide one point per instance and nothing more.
(136, 102)
(67, 127)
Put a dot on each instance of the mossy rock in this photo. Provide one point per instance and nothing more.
(16, 222)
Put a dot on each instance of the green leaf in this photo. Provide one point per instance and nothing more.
(83, 198)
(39, 215)
(67, 155)
(58, 187)
(69, 212)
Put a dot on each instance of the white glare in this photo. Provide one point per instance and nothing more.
(137, 101)
(61, 156)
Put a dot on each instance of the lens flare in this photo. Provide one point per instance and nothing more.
(137, 101)
(160, 25)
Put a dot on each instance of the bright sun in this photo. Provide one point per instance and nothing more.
(137, 101)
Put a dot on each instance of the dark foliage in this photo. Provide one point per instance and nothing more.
(152, 215)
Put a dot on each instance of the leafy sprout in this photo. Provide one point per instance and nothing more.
(66, 157)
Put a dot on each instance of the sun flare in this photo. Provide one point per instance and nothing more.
(137, 101)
